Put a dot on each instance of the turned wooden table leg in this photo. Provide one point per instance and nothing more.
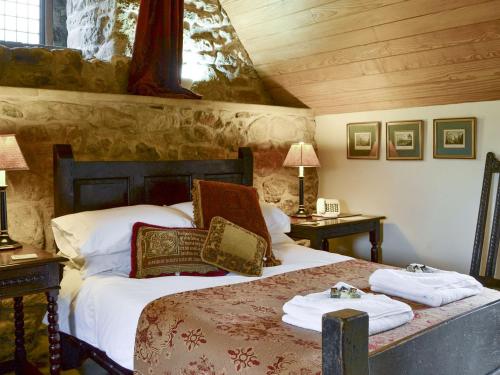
(316, 242)
(375, 241)
(20, 351)
(53, 330)
(325, 245)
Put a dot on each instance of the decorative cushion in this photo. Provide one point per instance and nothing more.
(233, 248)
(237, 203)
(159, 251)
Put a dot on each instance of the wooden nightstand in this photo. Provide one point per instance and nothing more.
(23, 277)
(319, 229)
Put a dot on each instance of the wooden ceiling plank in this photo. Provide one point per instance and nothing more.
(244, 6)
(410, 61)
(443, 74)
(257, 40)
(351, 55)
(402, 29)
(423, 42)
(274, 9)
(478, 81)
(410, 102)
(267, 21)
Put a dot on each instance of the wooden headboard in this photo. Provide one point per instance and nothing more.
(91, 185)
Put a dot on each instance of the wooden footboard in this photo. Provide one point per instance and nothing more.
(466, 344)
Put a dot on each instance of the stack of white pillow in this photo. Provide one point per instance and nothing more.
(99, 241)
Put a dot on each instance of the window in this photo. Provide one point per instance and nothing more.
(22, 21)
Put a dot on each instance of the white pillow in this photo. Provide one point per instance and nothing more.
(116, 263)
(184, 207)
(276, 220)
(109, 231)
(280, 238)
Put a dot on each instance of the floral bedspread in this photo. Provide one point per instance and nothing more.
(237, 328)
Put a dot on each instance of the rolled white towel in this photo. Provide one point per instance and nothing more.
(433, 288)
(383, 312)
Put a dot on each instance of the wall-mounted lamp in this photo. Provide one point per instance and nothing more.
(301, 155)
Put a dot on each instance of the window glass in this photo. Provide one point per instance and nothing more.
(20, 21)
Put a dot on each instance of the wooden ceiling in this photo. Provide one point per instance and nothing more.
(357, 55)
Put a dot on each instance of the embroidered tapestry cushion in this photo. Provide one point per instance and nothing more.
(233, 248)
(159, 251)
(237, 203)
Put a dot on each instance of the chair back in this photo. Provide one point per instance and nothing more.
(492, 167)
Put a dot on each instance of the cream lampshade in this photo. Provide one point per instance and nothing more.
(11, 158)
(301, 155)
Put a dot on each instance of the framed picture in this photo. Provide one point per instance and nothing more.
(455, 138)
(363, 140)
(404, 140)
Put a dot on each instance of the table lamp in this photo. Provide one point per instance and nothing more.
(11, 158)
(301, 155)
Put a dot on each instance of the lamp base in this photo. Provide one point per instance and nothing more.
(301, 212)
(7, 243)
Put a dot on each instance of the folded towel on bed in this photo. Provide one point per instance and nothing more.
(433, 288)
(383, 312)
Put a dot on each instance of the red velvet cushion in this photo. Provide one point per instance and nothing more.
(237, 203)
(159, 251)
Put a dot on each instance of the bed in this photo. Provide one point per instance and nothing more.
(443, 347)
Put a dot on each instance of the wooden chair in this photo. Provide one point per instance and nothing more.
(492, 166)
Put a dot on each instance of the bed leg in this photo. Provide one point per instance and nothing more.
(72, 354)
(345, 343)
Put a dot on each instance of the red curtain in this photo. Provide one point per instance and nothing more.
(156, 64)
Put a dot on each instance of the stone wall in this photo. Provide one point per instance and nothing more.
(118, 127)
(101, 35)
(61, 69)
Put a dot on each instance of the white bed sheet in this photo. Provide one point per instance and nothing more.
(104, 309)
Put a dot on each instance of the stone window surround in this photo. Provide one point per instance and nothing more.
(216, 62)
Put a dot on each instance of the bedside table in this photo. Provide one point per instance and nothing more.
(19, 278)
(319, 229)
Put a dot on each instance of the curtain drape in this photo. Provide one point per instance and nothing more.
(156, 65)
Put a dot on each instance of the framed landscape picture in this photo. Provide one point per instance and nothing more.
(404, 140)
(455, 138)
(363, 140)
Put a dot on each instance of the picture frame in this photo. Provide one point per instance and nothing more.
(404, 140)
(363, 140)
(455, 138)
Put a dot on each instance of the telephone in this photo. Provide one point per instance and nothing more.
(327, 207)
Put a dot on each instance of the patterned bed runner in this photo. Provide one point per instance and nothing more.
(238, 329)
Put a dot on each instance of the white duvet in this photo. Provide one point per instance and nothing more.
(103, 310)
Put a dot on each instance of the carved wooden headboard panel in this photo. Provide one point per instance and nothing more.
(91, 185)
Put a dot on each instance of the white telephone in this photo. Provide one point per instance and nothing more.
(327, 207)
